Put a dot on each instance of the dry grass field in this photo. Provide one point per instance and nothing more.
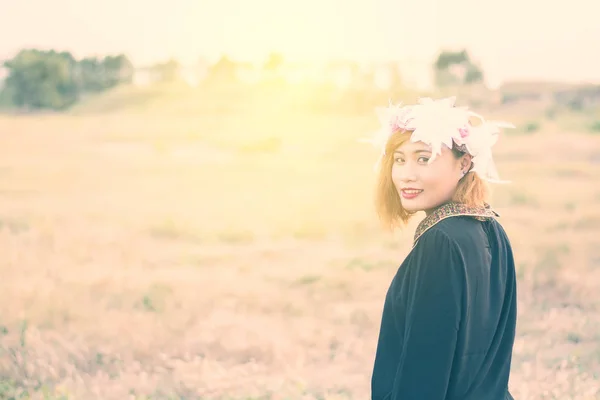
(237, 256)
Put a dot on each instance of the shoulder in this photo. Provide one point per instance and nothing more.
(436, 258)
(463, 231)
(440, 233)
(436, 245)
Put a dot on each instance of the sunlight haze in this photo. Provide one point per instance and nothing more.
(178, 225)
(511, 40)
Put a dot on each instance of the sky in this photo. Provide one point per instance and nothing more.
(510, 39)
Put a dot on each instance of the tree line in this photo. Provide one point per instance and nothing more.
(40, 79)
(47, 79)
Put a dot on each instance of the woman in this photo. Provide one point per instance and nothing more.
(449, 316)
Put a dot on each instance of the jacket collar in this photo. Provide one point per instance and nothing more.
(452, 209)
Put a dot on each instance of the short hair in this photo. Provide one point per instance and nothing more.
(471, 189)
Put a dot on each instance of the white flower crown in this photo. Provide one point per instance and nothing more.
(439, 122)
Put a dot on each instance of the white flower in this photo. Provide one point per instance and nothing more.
(482, 137)
(479, 144)
(437, 122)
(392, 119)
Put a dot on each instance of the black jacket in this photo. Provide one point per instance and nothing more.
(449, 316)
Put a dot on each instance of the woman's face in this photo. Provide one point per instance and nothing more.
(422, 186)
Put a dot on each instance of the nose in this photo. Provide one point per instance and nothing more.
(407, 172)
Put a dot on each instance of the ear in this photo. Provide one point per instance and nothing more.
(466, 163)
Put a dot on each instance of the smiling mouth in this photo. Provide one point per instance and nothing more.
(410, 193)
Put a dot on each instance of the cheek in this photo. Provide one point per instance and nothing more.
(439, 179)
(430, 177)
(395, 174)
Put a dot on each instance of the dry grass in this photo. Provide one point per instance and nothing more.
(235, 257)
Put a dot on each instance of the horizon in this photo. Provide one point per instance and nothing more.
(514, 41)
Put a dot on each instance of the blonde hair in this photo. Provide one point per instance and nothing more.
(471, 189)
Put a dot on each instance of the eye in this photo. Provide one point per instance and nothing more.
(399, 160)
(423, 160)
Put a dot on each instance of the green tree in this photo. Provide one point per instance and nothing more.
(447, 58)
(42, 79)
(456, 68)
(90, 75)
(96, 74)
(167, 71)
(117, 69)
(56, 80)
(474, 74)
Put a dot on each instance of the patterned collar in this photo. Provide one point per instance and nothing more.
(452, 209)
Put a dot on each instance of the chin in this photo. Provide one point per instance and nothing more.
(412, 206)
(420, 204)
